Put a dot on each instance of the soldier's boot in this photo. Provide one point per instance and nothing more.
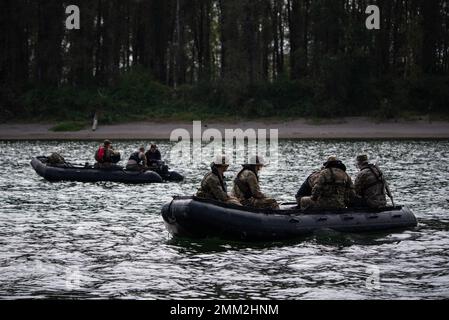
(266, 203)
(234, 200)
(307, 203)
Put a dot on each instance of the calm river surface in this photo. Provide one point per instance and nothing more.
(108, 240)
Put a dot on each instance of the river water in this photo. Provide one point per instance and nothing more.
(108, 240)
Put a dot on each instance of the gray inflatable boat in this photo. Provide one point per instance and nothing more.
(68, 172)
(199, 218)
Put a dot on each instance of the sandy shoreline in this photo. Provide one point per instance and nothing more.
(349, 128)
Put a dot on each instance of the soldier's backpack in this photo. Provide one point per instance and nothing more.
(99, 155)
(55, 159)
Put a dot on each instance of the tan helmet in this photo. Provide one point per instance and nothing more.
(330, 159)
(362, 158)
(221, 160)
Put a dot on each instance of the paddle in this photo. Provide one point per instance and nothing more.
(288, 203)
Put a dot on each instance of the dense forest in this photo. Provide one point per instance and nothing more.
(186, 59)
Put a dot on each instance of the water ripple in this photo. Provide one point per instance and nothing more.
(107, 240)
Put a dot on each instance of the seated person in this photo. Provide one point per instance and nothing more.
(334, 188)
(56, 160)
(106, 157)
(246, 186)
(213, 185)
(153, 156)
(306, 188)
(137, 161)
(370, 185)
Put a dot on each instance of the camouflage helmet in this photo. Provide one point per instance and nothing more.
(330, 159)
(221, 160)
(362, 158)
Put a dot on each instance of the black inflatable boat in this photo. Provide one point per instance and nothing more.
(172, 176)
(68, 172)
(162, 169)
(199, 218)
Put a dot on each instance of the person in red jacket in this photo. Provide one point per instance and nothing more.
(105, 156)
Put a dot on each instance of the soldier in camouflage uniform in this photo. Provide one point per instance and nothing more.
(370, 185)
(247, 189)
(56, 160)
(334, 188)
(106, 157)
(213, 185)
(306, 188)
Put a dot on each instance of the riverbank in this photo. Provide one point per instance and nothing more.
(348, 128)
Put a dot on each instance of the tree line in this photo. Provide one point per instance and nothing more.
(257, 57)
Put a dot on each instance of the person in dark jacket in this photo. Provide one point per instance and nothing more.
(153, 156)
(306, 188)
(137, 161)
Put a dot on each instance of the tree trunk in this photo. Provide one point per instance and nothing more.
(49, 39)
(80, 55)
(430, 18)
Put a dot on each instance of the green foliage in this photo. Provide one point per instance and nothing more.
(386, 111)
(136, 91)
(429, 94)
(342, 89)
(69, 126)
(321, 62)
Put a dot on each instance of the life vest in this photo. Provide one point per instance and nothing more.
(244, 188)
(99, 155)
(333, 182)
(377, 174)
(135, 156)
(152, 156)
